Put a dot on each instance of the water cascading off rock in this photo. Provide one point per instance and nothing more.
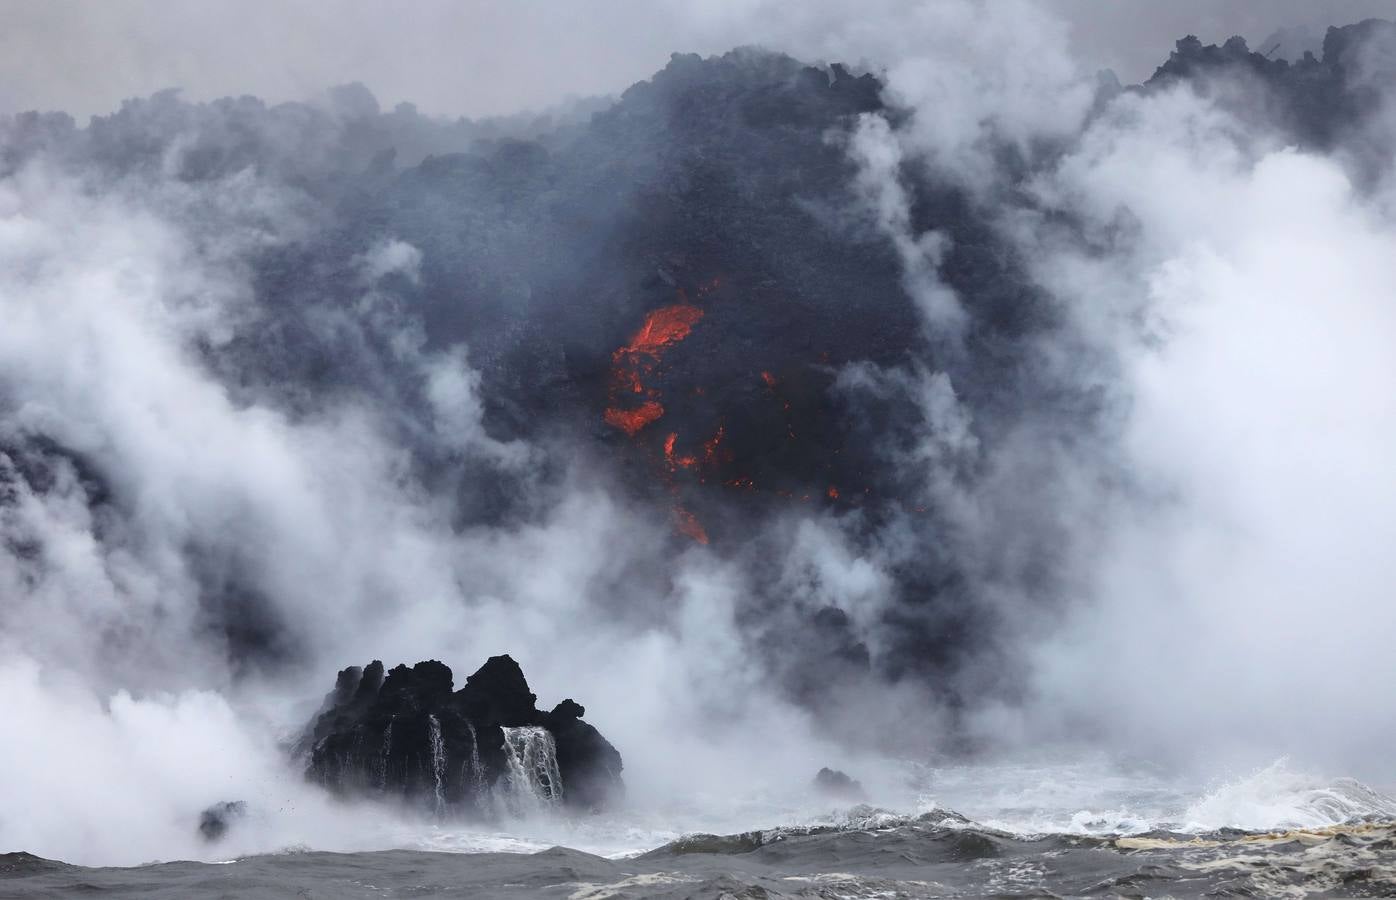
(482, 750)
(533, 781)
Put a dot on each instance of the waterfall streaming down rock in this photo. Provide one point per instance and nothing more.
(476, 769)
(409, 735)
(383, 759)
(532, 781)
(438, 763)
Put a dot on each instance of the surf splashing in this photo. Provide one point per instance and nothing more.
(1278, 797)
(533, 782)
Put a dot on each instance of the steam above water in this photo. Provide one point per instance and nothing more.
(1012, 409)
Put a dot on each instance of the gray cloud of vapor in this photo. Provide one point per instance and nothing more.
(1227, 294)
(1242, 595)
(481, 58)
(169, 488)
(1219, 532)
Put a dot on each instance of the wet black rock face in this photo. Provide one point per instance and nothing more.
(477, 751)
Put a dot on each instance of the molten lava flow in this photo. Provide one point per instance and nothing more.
(663, 328)
(673, 460)
(632, 420)
(632, 364)
(688, 525)
(713, 445)
(634, 403)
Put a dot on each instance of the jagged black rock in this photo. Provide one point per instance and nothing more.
(483, 749)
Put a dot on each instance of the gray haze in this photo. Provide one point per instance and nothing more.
(477, 58)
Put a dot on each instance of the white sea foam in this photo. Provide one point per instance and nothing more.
(1084, 797)
(1276, 797)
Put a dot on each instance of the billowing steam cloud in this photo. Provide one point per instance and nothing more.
(201, 542)
(1008, 405)
(1255, 314)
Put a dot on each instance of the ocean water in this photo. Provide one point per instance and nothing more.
(1011, 829)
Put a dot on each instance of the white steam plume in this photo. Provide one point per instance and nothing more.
(1241, 597)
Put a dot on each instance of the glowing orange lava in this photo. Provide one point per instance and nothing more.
(636, 361)
(673, 460)
(663, 327)
(632, 420)
(635, 400)
(712, 445)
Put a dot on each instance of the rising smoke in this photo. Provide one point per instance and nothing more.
(1019, 407)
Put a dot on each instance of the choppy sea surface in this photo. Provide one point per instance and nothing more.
(972, 831)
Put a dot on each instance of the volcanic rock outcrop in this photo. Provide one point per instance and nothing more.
(215, 821)
(483, 750)
(838, 785)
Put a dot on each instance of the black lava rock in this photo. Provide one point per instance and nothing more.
(215, 821)
(483, 749)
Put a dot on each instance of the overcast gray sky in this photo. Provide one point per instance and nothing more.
(475, 57)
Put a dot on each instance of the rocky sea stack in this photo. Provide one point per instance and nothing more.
(483, 750)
